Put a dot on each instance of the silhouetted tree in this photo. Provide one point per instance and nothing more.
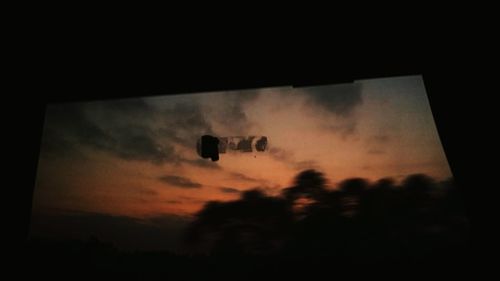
(255, 224)
(357, 221)
(308, 184)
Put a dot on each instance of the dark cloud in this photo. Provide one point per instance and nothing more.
(132, 108)
(382, 138)
(183, 125)
(192, 199)
(236, 117)
(306, 165)
(67, 124)
(281, 154)
(126, 129)
(344, 128)
(139, 144)
(288, 158)
(231, 111)
(110, 130)
(243, 177)
(54, 142)
(179, 181)
(187, 119)
(229, 190)
(339, 99)
(203, 163)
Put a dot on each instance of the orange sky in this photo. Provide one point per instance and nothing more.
(138, 158)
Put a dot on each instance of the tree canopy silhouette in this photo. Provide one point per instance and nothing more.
(355, 220)
(310, 227)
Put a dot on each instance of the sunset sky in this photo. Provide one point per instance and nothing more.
(137, 157)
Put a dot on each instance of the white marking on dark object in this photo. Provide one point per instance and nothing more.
(210, 147)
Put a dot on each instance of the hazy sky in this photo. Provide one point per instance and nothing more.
(137, 157)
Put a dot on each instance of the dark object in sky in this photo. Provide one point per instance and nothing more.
(261, 144)
(208, 147)
(245, 145)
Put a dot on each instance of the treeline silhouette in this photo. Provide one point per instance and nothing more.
(309, 228)
(358, 221)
